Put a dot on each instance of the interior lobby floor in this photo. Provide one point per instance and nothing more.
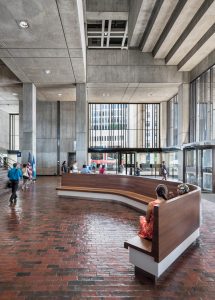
(61, 248)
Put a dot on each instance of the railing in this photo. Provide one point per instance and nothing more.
(6, 162)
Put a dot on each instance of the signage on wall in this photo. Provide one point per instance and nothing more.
(19, 154)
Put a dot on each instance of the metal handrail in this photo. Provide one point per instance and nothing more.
(7, 162)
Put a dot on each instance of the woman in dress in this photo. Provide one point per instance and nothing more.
(146, 223)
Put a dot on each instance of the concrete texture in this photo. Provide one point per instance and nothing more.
(56, 29)
(139, 14)
(181, 17)
(157, 22)
(28, 141)
(196, 29)
(47, 135)
(205, 64)
(183, 114)
(163, 125)
(4, 125)
(81, 124)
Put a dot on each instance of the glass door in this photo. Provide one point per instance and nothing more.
(207, 170)
(190, 166)
(127, 163)
(198, 167)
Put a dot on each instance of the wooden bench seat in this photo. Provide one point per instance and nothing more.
(142, 245)
(176, 222)
(176, 227)
(132, 195)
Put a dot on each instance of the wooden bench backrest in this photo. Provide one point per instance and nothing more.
(174, 221)
(140, 185)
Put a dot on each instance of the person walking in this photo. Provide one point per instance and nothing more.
(163, 171)
(25, 175)
(14, 175)
(64, 167)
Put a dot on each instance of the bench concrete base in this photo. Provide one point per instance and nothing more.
(103, 197)
(146, 262)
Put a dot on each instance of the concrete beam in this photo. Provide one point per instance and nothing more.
(176, 25)
(132, 66)
(153, 17)
(107, 5)
(109, 15)
(201, 21)
(139, 14)
(157, 22)
(202, 48)
(169, 25)
(72, 18)
(11, 64)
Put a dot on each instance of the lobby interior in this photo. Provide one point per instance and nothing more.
(110, 81)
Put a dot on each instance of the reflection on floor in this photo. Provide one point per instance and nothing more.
(59, 248)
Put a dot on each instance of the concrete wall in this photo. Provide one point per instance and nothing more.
(67, 129)
(132, 66)
(107, 5)
(4, 136)
(47, 135)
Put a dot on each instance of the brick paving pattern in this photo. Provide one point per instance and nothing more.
(60, 249)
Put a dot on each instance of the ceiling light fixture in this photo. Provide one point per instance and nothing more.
(47, 71)
(23, 24)
(59, 95)
(15, 94)
(103, 94)
(106, 33)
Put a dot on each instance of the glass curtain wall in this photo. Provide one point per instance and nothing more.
(124, 126)
(202, 107)
(172, 121)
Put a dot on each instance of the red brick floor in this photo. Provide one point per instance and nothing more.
(59, 248)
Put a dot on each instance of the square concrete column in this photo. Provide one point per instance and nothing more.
(28, 122)
(81, 124)
(163, 124)
(183, 113)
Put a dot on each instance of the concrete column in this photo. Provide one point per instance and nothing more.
(28, 122)
(81, 124)
(183, 114)
(163, 124)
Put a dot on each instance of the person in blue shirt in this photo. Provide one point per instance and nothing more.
(85, 170)
(14, 175)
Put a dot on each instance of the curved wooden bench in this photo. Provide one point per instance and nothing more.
(130, 190)
(176, 227)
(130, 198)
(176, 223)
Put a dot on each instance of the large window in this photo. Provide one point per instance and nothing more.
(202, 107)
(172, 121)
(124, 126)
(14, 132)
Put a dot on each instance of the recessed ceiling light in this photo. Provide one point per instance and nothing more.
(15, 94)
(47, 71)
(103, 94)
(105, 33)
(59, 95)
(108, 95)
(23, 24)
